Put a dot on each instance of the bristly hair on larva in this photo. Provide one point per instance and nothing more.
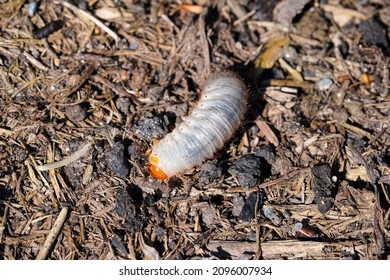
(217, 115)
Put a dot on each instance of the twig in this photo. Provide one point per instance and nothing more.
(91, 18)
(277, 181)
(3, 221)
(258, 239)
(75, 156)
(244, 18)
(205, 45)
(6, 132)
(287, 83)
(44, 252)
(356, 130)
(116, 88)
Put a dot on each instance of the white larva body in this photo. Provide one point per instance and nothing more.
(212, 122)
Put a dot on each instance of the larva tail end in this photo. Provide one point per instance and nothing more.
(157, 173)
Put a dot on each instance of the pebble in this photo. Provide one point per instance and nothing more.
(273, 215)
(209, 172)
(123, 105)
(76, 113)
(247, 170)
(249, 208)
(325, 83)
(117, 162)
(374, 34)
(32, 8)
(154, 128)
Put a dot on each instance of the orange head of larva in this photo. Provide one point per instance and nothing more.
(155, 171)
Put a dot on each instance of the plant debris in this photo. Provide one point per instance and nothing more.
(116, 160)
(322, 187)
(247, 170)
(86, 90)
(48, 29)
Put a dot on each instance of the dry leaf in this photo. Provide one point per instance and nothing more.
(293, 73)
(108, 13)
(342, 16)
(273, 50)
(287, 10)
(280, 96)
(149, 252)
(268, 133)
(356, 173)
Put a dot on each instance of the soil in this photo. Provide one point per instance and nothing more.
(91, 85)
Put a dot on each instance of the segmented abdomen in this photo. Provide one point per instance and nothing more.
(217, 115)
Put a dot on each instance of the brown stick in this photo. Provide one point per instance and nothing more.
(51, 237)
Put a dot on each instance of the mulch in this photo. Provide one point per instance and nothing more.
(87, 87)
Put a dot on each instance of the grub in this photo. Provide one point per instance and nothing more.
(304, 176)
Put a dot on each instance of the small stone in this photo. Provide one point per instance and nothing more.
(208, 215)
(76, 113)
(238, 204)
(160, 232)
(271, 164)
(267, 153)
(123, 105)
(273, 215)
(249, 208)
(247, 169)
(73, 175)
(374, 34)
(117, 162)
(118, 245)
(32, 8)
(325, 83)
(133, 46)
(155, 92)
(136, 150)
(154, 128)
(209, 172)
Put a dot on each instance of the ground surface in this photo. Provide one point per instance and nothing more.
(306, 176)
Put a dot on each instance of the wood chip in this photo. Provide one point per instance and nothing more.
(268, 133)
(50, 239)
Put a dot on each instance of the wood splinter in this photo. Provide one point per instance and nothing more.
(44, 252)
